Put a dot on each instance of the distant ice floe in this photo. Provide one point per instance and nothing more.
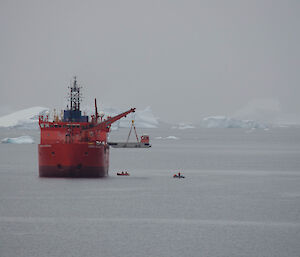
(18, 140)
(226, 122)
(183, 126)
(27, 118)
(168, 137)
(172, 137)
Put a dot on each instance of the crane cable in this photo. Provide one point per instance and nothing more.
(132, 126)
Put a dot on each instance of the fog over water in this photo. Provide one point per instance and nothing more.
(185, 59)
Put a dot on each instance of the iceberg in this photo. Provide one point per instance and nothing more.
(142, 119)
(168, 137)
(183, 126)
(172, 137)
(27, 118)
(262, 110)
(267, 111)
(226, 122)
(18, 140)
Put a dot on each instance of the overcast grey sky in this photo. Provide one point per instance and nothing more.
(185, 59)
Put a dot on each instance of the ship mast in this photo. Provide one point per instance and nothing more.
(75, 96)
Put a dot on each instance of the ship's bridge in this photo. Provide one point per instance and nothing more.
(74, 116)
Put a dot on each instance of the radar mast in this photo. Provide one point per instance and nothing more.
(75, 96)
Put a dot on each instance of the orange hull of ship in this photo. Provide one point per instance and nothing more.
(84, 160)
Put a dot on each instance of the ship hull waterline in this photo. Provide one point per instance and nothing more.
(78, 160)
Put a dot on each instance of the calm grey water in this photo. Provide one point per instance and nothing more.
(240, 197)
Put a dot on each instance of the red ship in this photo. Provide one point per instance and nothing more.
(75, 145)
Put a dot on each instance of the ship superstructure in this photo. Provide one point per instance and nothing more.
(75, 145)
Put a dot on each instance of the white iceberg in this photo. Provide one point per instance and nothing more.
(267, 111)
(27, 118)
(18, 140)
(226, 122)
(142, 119)
(183, 126)
(262, 110)
(168, 137)
(172, 137)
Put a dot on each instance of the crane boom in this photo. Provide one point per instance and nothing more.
(106, 124)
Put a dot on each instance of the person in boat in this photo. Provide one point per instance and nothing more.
(178, 175)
